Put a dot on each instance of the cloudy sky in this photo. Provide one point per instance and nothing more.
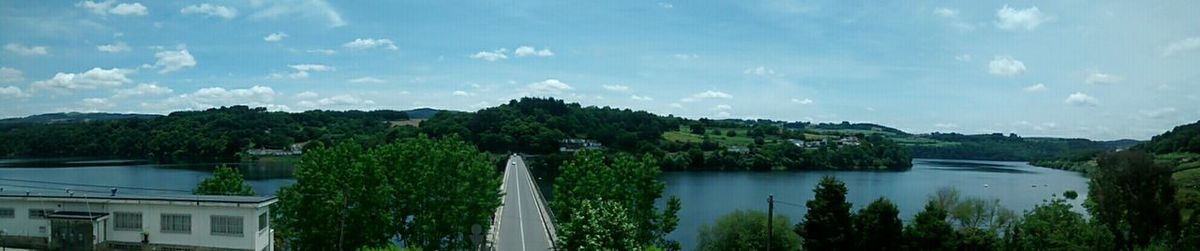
(1094, 69)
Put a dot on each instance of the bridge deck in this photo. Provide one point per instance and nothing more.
(523, 222)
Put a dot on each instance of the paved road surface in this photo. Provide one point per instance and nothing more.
(520, 223)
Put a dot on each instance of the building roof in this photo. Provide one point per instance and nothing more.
(175, 199)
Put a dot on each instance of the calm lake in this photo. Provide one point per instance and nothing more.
(706, 195)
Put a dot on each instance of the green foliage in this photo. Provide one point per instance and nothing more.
(427, 192)
(1133, 198)
(599, 225)
(745, 230)
(388, 248)
(1011, 147)
(212, 135)
(629, 183)
(828, 225)
(224, 181)
(1184, 138)
(878, 226)
(1053, 226)
(929, 230)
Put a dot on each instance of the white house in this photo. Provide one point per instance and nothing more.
(113, 221)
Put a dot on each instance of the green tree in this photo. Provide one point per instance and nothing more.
(224, 181)
(630, 183)
(426, 192)
(744, 230)
(878, 226)
(1134, 198)
(827, 226)
(929, 230)
(1053, 226)
(599, 225)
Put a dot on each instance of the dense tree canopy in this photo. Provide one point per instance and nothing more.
(1133, 198)
(213, 135)
(745, 230)
(1184, 138)
(224, 181)
(828, 225)
(426, 192)
(632, 184)
(878, 226)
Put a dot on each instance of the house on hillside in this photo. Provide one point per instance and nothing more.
(575, 145)
(849, 141)
(293, 149)
(80, 221)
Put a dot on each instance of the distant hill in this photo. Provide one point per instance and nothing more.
(74, 117)
(422, 113)
(1184, 138)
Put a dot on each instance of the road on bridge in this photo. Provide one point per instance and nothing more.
(522, 220)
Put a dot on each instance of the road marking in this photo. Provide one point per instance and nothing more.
(520, 214)
(537, 203)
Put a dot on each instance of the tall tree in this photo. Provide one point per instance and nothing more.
(426, 192)
(599, 225)
(827, 226)
(224, 181)
(929, 230)
(1053, 226)
(631, 183)
(878, 226)
(745, 230)
(1134, 198)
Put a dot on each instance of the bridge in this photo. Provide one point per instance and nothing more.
(523, 221)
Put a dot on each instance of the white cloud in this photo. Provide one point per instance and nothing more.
(616, 88)
(322, 51)
(142, 90)
(371, 43)
(723, 107)
(259, 96)
(723, 114)
(945, 125)
(549, 86)
(96, 104)
(316, 9)
(307, 95)
(1035, 88)
(685, 56)
(337, 101)
(1081, 99)
(963, 57)
(491, 55)
(13, 92)
(367, 80)
(1012, 19)
(1187, 44)
(1158, 113)
(676, 105)
(23, 50)
(802, 101)
(311, 67)
(275, 37)
(710, 94)
(91, 79)
(946, 12)
(113, 48)
(666, 5)
(1096, 77)
(641, 98)
(107, 7)
(10, 75)
(462, 93)
(761, 71)
(134, 9)
(169, 61)
(225, 12)
(525, 51)
(1005, 66)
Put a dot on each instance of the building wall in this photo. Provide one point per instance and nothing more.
(201, 231)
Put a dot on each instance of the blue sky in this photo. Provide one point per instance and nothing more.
(1093, 69)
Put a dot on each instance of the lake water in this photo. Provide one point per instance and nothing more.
(705, 195)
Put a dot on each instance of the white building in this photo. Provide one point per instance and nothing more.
(62, 221)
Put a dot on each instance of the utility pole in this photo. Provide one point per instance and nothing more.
(770, 217)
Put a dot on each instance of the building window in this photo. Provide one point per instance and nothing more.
(175, 249)
(227, 225)
(127, 221)
(39, 213)
(177, 223)
(263, 221)
(7, 213)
